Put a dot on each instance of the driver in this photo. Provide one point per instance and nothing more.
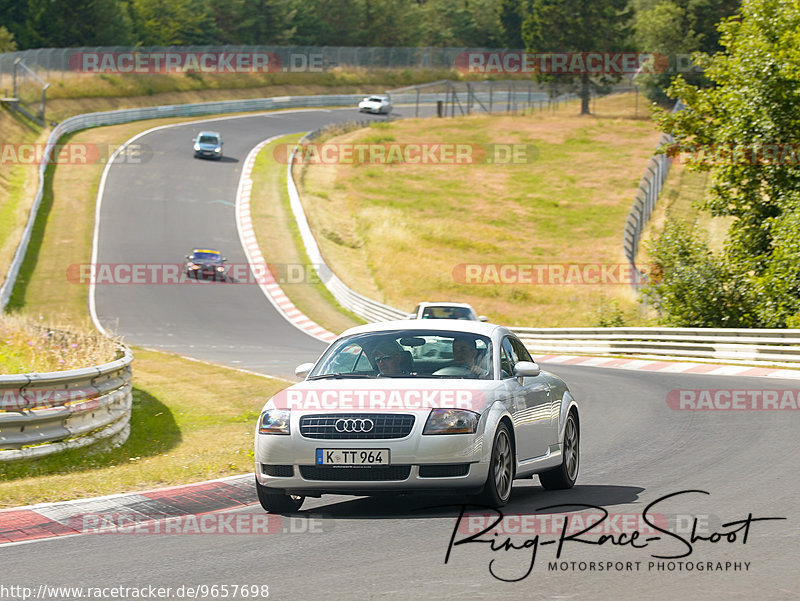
(388, 357)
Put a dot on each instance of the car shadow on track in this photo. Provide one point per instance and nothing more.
(526, 499)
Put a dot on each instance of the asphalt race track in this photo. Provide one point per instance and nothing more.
(635, 450)
(156, 211)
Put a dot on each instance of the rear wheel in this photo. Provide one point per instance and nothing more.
(497, 489)
(565, 475)
(278, 502)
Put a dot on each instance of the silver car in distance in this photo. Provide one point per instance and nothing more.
(447, 406)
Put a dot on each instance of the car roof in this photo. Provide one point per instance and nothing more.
(444, 325)
(445, 304)
(205, 250)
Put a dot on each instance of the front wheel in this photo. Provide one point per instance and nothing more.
(565, 475)
(497, 490)
(278, 502)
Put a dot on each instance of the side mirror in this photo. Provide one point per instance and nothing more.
(224, 259)
(188, 257)
(526, 369)
(482, 318)
(194, 139)
(302, 370)
(412, 316)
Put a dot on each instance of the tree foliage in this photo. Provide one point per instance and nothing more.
(745, 130)
(676, 29)
(7, 43)
(577, 26)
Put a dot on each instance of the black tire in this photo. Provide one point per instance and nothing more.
(497, 490)
(565, 475)
(277, 502)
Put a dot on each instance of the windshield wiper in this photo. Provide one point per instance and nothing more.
(340, 376)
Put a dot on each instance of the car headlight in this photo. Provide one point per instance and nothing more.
(451, 421)
(220, 269)
(274, 421)
(218, 149)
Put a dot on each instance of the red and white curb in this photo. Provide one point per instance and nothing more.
(69, 518)
(671, 367)
(269, 286)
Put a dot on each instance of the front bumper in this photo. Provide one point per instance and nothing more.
(293, 456)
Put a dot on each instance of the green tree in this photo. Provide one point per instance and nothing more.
(512, 15)
(252, 22)
(7, 43)
(174, 22)
(392, 23)
(675, 29)
(86, 23)
(572, 26)
(745, 130)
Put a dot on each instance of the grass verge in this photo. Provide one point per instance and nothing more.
(399, 232)
(183, 428)
(680, 199)
(280, 243)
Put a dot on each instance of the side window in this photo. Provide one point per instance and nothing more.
(522, 352)
(508, 358)
(346, 360)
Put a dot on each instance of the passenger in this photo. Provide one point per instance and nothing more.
(465, 354)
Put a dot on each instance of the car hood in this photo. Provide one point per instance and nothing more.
(387, 394)
(207, 145)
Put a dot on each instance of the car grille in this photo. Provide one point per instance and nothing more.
(443, 471)
(282, 471)
(361, 474)
(384, 426)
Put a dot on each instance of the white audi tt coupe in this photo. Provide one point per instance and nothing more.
(449, 406)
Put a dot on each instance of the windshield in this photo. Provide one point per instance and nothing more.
(374, 99)
(208, 140)
(446, 313)
(408, 354)
(205, 255)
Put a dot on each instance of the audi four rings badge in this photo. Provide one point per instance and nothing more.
(353, 425)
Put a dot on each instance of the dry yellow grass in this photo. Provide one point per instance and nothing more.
(397, 232)
(39, 345)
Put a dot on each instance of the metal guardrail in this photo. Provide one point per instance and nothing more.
(772, 346)
(44, 413)
(357, 303)
(88, 120)
(765, 346)
(719, 344)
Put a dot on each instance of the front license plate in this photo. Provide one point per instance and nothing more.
(352, 456)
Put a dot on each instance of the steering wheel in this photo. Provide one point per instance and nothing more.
(455, 370)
